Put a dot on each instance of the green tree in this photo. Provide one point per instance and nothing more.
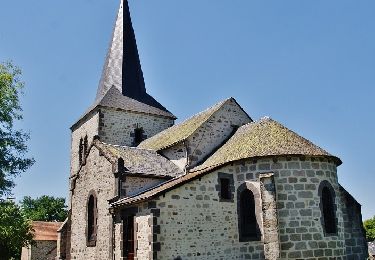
(45, 208)
(13, 146)
(15, 231)
(369, 226)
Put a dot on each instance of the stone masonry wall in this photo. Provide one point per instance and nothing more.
(194, 223)
(95, 176)
(45, 250)
(177, 154)
(215, 131)
(301, 231)
(135, 185)
(117, 127)
(118, 239)
(89, 128)
(144, 237)
(355, 241)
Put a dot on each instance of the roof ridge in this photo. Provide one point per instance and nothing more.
(243, 133)
(214, 109)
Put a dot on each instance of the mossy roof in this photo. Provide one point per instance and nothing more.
(182, 131)
(263, 138)
(141, 161)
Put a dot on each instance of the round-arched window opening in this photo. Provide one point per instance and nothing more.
(328, 208)
(91, 220)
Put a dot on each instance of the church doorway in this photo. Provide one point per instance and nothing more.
(128, 238)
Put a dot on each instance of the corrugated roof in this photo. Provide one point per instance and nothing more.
(45, 231)
(141, 161)
(182, 131)
(265, 137)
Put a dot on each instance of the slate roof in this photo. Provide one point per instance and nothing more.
(182, 131)
(263, 138)
(141, 161)
(122, 68)
(45, 231)
(371, 248)
(122, 84)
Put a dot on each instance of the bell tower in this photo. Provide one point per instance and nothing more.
(123, 113)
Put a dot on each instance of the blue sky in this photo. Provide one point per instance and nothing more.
(308, 64)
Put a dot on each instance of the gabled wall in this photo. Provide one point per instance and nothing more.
(89, 127)
(95, 176)
(208, 137)
(117, 127)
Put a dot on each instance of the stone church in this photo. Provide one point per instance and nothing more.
(219, 185)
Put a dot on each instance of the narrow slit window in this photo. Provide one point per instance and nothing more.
(85, 146)
(91, 220)
(80, 151)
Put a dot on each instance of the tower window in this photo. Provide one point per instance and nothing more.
(80, 151)
(85, 146)
(328, 208)
(138, 136)
(91, 220)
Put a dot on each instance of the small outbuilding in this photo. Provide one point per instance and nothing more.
(45, 238)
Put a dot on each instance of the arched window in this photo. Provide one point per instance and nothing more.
(247, 218)
(328, 208)
(80, 151)
(138, 136)
(91, 220)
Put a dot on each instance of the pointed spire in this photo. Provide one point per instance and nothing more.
(122, 68)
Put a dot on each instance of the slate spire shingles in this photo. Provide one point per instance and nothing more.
(122, 68)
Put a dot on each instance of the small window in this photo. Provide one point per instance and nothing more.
(138, 136)
(225, 189)
(91, 220)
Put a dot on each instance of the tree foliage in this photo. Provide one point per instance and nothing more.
(13, 146)
(369, 226)
(15, 231)
(45, 208)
